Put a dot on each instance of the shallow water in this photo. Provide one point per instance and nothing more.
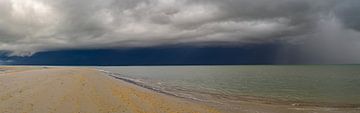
(319, 84)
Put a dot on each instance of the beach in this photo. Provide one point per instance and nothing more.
(89, 90)
(82, 90)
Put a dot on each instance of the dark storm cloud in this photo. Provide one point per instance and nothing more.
(31, 26)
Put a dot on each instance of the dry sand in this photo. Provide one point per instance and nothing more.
(81, 90)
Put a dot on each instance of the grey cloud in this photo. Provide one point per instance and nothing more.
(331, 42)
(349, 14)
(31, 26)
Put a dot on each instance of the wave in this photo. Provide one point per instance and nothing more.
(145, 85)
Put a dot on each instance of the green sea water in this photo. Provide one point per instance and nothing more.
(335, 84)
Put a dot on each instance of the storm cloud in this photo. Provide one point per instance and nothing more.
(31, 26)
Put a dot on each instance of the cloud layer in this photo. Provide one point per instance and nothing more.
(31, 26)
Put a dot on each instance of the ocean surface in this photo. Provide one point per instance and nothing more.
(318, 85)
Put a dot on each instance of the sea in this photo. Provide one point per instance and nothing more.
(307, 85)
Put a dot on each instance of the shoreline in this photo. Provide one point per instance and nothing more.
(244, 98)
(235, 102)
(143, 85)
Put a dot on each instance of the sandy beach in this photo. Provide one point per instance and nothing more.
(81, 90)
(86, 90)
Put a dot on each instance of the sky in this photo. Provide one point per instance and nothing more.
(155, 32)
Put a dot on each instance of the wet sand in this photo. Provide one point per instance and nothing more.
(81, 90)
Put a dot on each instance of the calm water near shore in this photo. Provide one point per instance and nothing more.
(319, 85)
